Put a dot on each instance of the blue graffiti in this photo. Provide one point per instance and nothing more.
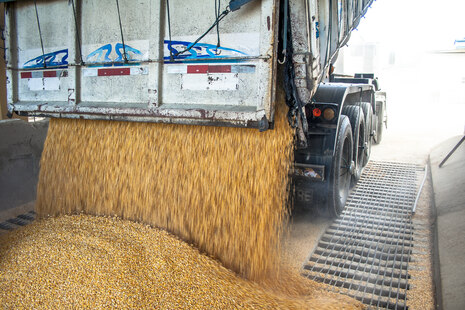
(131, 53)
(198, 51)
(99, 56)
(102, 54)
(58, 59)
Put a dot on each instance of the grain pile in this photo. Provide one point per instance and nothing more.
(101, 262)
(223, 189)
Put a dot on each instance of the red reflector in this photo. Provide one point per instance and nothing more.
(197, 69)
(114, 71)
(209, 69)
(50, 74)
(26, 75)
(316, 112)
(219, 69)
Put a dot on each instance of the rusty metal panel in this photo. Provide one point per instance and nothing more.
(100, 60)
(134, 62)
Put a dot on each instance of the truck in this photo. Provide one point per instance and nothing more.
(217, 63)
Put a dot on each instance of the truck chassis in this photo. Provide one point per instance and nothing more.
(345, 118)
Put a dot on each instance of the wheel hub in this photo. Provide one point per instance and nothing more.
(352, 168)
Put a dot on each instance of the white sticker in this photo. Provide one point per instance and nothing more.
(89, 72)
(139, 71)
(176, 69)
(36, 84)
(51, 83)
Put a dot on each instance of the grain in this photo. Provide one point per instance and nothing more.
(223, 189)
(93, 262)
(421, 292)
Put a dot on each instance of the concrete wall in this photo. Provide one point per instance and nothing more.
(3, 108)
(21, 146)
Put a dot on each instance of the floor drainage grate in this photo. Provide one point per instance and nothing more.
(366, 251)
(20, 220)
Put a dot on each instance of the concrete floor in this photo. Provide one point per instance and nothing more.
(449, 196)
(304, 232)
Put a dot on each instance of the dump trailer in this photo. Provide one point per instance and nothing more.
(218, 63)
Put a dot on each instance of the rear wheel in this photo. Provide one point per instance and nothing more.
(368, 112)
(357, 121)
(341, 166)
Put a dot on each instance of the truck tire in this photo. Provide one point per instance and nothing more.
(370, 126)
(379, 122)
(357, 121)
(340, 168)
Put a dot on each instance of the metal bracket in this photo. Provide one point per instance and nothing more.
(235, 5)
(153, 98)
(302, 139)
(263, 124)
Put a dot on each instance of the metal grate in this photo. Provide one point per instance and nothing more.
(366, 251)
(20, 220)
